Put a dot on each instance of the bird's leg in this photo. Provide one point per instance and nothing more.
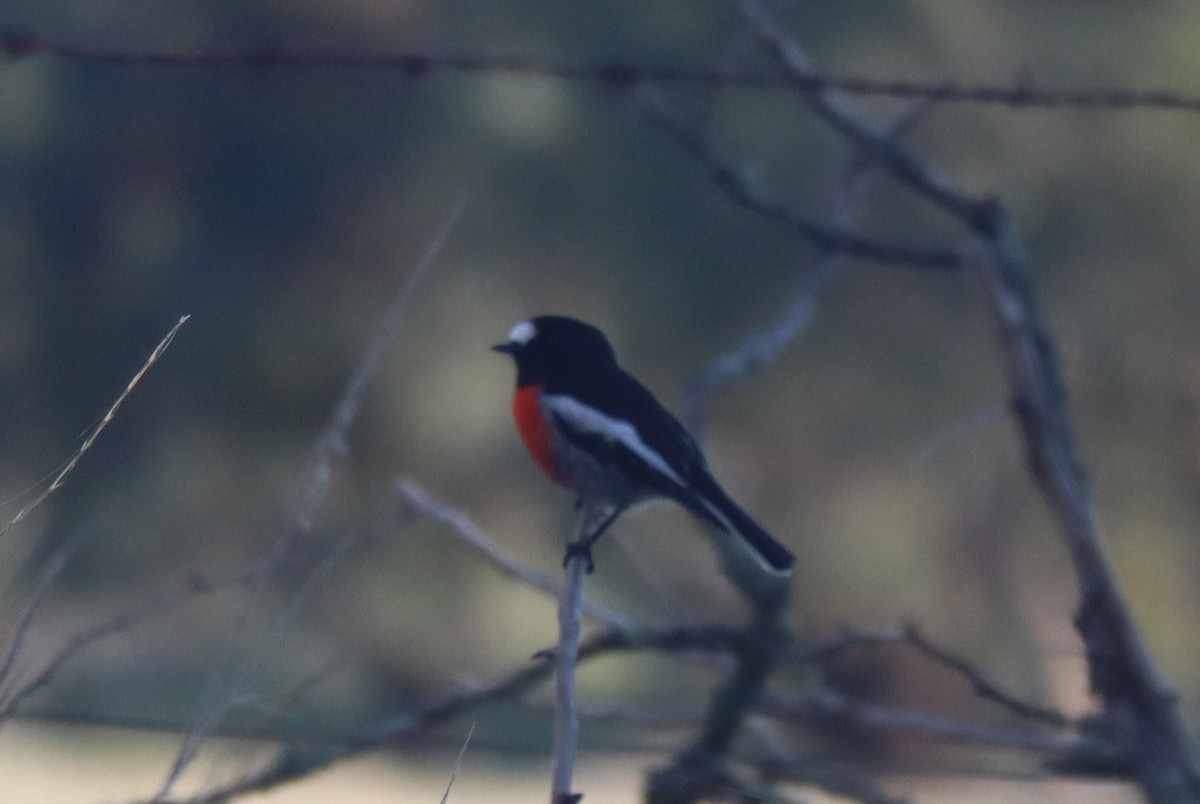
(583, 545)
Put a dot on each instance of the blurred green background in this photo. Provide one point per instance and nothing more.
(283, 208)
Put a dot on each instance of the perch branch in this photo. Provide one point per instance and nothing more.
(566, 656)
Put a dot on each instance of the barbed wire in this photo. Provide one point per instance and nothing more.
(1023, 93)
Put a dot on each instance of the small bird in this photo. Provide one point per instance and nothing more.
(596, 430)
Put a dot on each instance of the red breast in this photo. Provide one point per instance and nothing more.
(535, 430)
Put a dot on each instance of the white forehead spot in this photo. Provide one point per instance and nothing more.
(522, 333)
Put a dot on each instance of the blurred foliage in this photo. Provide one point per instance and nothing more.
(282, 209)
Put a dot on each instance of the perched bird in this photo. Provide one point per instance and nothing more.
(599, 432)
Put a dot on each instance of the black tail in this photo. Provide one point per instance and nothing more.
(717, 508)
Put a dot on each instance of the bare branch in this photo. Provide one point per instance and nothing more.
(847, 638)
(759, 349)
(151, 605)
(739, 186)
(300, 760)
(827, 105)
(699, 768)
(331, 444)
(911, 635)
(825, 704)
(983, 686)
(566, 655)
(478, 541)
(229, 695)
(304, 757)
(1023, 94)
(1137, 698)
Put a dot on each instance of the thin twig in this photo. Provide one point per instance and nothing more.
(152, 605)
(232, 698)
(45, 580)
(478, 541)
(61, 477)
(954, 431)
(755, 352)
(462, 752)
(331, 444)
(308, 754)
(984, 687)
(738, 185)
(847, 637)
(827, 105)
(833, 109)
(826, 705)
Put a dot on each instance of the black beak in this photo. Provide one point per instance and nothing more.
(505, 348)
